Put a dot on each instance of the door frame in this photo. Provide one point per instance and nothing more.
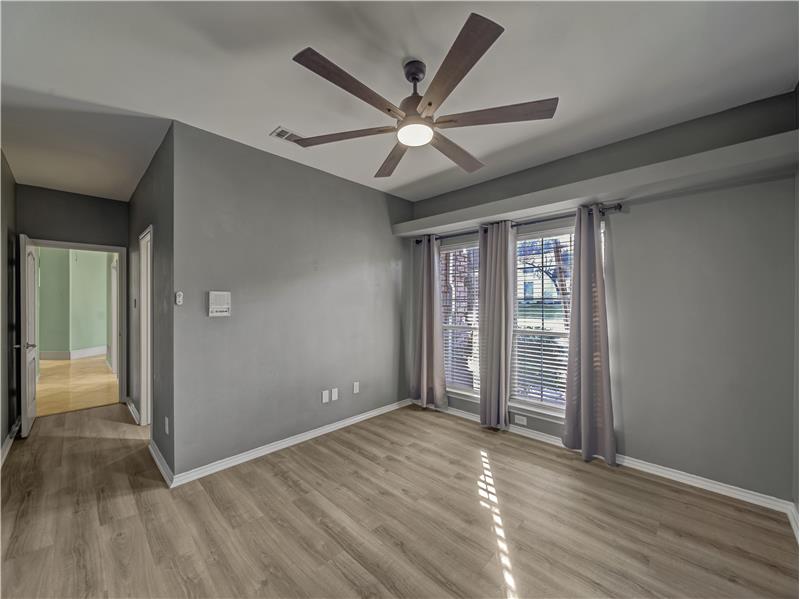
(146, 333)
(115, 337)
(122, 300)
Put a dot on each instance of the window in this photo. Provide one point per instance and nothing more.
(541, 318)
(459, 287)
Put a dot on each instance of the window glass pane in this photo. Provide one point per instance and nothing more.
(461, 355)
(459, 286)
(541, 318)
(459, 271)
(540, 368)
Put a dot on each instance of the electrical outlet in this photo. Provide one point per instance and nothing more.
(166, 424)
(523, 420)
(335, 393)
(326, 396)
(355, 387)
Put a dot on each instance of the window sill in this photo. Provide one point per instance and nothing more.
(465, 395)
(541, 411)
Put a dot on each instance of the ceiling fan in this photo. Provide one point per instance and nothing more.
(416, 125)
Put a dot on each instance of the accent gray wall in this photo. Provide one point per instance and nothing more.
(153, 204)
(702, 317)
(701, 308)
(62, 216)
(795, 457)
(9, 410)
(316, 282)
(743, 123)
(535, 422)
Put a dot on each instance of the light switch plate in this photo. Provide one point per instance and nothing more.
(520, 419)
(356, 385)
(326, 396)
(335, 393)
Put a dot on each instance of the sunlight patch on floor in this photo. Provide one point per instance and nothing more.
(489, 501)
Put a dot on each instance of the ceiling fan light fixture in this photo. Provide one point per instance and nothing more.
(414, 134)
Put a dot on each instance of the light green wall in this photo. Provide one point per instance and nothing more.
(73, 294)
(110, 258)
(87, 299)
(53, 299)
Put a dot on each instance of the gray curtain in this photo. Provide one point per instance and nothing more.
(497, 282)
(589, 422)
(427, 372)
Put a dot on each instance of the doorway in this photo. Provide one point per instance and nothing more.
(72, 306)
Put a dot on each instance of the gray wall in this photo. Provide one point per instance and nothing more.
(796, 416)
(751, 121)
(702, 316)
(9, 409)
(316, 281)
(152, 204)
(61, 216)
(701, 308)
(535, 422)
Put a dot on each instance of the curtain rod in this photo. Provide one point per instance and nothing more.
(603, 211)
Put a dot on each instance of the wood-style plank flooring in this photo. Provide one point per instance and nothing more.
(67, 385)
(408, 504)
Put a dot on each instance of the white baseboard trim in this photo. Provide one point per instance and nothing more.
(792, 513)
(173, 480)
(8, 441)
(88, 352)
(163, 467)
(767, 501)
(134, 412)
(75, 354)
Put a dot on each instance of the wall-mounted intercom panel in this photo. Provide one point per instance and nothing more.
(219, 303)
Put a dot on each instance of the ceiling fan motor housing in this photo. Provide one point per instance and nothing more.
(414, 70)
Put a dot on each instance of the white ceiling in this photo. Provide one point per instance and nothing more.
(620, 69)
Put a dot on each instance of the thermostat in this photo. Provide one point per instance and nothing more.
(219, 303)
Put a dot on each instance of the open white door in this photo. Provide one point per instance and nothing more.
(145, 325)
(28, 289)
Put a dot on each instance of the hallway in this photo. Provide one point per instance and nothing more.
(69, 385)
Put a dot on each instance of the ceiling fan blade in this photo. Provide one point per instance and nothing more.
(392, 160)
(475, 38)
(331, 137)
(527, 111)
(316, 62)
(456, 153)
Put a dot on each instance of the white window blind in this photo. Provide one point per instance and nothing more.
(541, 317)
(459, 288)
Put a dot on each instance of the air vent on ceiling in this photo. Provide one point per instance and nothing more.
(283, 133)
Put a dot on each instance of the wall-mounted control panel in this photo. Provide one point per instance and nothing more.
(219, 303)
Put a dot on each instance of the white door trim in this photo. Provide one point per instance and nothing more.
(122, 296)
(28, 286)
(146, 326)
(115, 333)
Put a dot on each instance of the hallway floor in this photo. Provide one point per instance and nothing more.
(69, 385)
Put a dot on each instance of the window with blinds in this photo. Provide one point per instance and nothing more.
(459, 287)
(541, 318)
